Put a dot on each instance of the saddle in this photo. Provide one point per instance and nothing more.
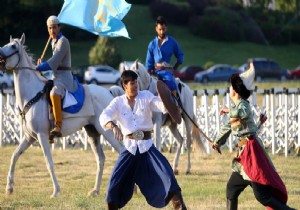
(163, 66)
(169, 101)
(84, 107)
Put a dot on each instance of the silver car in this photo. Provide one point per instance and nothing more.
(101, 74)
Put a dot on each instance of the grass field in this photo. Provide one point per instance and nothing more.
(75, 169)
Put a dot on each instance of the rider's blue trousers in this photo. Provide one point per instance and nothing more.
(168, 78)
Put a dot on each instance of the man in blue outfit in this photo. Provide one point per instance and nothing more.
(140, 162)
(159, 54)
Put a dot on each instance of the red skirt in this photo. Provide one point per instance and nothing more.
(259, 169)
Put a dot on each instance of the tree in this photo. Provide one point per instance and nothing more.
(105, 52)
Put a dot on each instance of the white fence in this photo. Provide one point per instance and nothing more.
(280, 133)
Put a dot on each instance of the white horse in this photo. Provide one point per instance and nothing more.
(35, 114)
(147, 82)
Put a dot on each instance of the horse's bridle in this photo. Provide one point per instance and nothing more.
(4, 57)
(38, 95)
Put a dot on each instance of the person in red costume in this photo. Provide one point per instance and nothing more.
(251, 166)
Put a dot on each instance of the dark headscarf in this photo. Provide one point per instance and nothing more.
(239, 87)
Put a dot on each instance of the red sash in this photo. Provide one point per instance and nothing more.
(259, 169)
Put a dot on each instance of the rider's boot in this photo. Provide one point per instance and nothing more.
(232, 204)
(112, 206)
(175, 94)
(276, 204)
(177, 201)
(177, 99)
(57, 114)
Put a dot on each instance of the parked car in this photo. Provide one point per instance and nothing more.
(295, 73)
(188, 72)
(218, 72)
(6, 81)
(79, 72)
(268, 69)
(101, 74)
(243, 67)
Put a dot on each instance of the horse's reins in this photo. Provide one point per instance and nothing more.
(35, 99)
(15, 67)
(8, 56)
(195, 124)
(38, 95)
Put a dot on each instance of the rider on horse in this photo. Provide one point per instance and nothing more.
(160, 51)
(60, 64)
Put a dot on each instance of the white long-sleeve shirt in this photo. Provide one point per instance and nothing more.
(131, 120)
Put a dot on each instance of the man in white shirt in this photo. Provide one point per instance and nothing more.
(140, 163)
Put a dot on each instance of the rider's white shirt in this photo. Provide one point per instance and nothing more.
(131, 120)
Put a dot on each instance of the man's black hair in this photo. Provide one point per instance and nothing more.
(239, 87)
(128, 76)
(161, 20)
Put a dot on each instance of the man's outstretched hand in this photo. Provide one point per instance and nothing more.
(216, 148)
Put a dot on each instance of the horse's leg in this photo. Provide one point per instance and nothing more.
(11, 172)
(179, 140)
(109, 136)
(188, 127)
(43, 140)
(94, 140)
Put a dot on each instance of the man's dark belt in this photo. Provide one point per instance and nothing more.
(244, 140)
(140, 135)
(63, 68)
(242, 143)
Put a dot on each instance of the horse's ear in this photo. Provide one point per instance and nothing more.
(22, 40)
(136, 62)
(10, 38)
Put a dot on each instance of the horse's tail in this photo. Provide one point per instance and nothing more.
(197, 138)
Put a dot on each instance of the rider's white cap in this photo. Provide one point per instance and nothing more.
(52, 20)
(248, 77)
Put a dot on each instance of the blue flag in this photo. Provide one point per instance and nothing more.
(101, 17)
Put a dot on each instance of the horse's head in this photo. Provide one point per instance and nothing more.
(10, 53)
(144, 77)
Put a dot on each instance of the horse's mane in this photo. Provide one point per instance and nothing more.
(30, 55)
(30, 59)
(143, 74)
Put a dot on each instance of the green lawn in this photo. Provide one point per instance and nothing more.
(203, 189)
(197, 50)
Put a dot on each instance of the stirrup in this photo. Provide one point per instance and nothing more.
(54, 133)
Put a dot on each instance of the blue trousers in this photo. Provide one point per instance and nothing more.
(168, 78)
(151, 171)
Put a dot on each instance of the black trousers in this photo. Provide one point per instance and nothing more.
(236, 184)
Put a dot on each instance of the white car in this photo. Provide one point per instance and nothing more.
(6, 81)
(101, 74)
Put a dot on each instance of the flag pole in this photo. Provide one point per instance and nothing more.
(47, 44)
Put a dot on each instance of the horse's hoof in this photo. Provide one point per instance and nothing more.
(187, 173)
(94, 193)
(54, 195)
(9, 191)
(176, 172)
